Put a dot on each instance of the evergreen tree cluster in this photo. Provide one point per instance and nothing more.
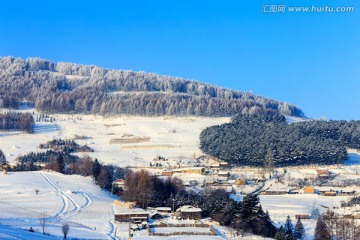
(68, 146)
(17, 121)
(289, 232)
(72, 88)
(265, 138)
(47, 156)
(352, 202)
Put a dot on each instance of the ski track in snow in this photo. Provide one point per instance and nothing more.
(63, 197)
(64, 213)
(88, 201)
(112, 230)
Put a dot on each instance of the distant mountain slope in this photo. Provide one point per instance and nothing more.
(73, 88)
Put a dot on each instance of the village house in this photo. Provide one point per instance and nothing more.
(135, 215)
(323, 173)
(190, 170)
(274, 192)
(189, 212)
(224, 165)
(119, 183)
(224, 174)
(213, 165)
(167, 172)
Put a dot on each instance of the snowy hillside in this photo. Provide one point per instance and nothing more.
(173, 138)
(72, 199)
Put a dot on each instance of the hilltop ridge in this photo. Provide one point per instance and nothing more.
(74, 88)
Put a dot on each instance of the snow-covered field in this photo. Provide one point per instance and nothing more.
(174, 138)
(61, 198)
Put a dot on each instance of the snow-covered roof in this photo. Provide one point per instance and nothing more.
(163, 208)
(123, 211)
(188, 168)
(189, 208)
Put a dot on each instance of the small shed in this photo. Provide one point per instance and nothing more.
(309, 190)
(329, 193)
(240, 181)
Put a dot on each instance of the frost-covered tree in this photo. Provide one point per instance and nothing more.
(299, 230)
(74, 88)
(289, 227)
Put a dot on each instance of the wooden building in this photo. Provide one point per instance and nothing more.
(167, 172)
(135, 215)
(302, 216)
(191, 170)
(323, 173)
(189, 212)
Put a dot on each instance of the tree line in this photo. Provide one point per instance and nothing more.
(265, 138)
(68, 145)
(331, 225)
(73, 88)
(15, 121)
(63, 162)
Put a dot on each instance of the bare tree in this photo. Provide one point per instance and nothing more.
(65, 229)
(43, 220)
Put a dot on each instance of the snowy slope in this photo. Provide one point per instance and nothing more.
(62, 198)
(173, 138)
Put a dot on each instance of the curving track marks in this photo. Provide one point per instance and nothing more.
(88, 201)
(64, 212)
(65, 200)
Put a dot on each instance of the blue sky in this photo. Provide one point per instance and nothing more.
(311, 60)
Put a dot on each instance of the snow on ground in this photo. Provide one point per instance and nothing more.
(61, 198)
(279, 206)
(171, 137)
(181, 238)
(292, 119)
(8, 233)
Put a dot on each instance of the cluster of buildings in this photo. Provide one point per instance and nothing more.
(139, 215)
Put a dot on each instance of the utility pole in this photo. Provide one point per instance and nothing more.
(173, 200)
(129, 227)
